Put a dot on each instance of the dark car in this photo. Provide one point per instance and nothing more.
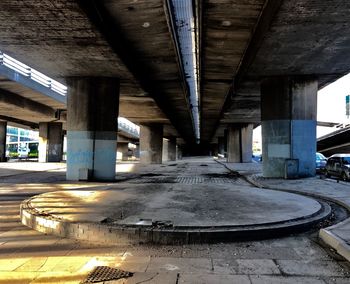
(321, 162)
(257, 157)
(338, 165)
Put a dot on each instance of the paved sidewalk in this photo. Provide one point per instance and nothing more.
(27, 256)
(337, 236)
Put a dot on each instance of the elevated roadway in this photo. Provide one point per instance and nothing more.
(237, 44)
(335, 142)
(194, 67)
(28, 97)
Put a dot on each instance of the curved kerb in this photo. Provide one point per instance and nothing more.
(136, 234)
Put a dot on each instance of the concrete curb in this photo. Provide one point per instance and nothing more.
(149, 233)
(112, 234)
(87, 231)
(253, 181)
(326, 234)
(334, 241)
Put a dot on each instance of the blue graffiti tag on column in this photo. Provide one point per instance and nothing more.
(80, 157)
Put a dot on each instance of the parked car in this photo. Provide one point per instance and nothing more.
(338, 165)
(257, 157)
(321, 162)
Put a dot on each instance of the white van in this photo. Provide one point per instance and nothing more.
(23, 152)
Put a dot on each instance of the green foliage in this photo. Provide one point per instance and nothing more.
(13, 155)
(33, 154)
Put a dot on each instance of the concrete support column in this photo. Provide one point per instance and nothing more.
(172, 149)
(234, 144)
(151, 143)
(165, 150)
(3, 131)
(288, 114)
(247, 143)
(179, 152)
(214, 149)
(123, 149)
(240, 143)
(50, 142)
(92, 112)
(225, 142)
(137, 151)
(221, 145)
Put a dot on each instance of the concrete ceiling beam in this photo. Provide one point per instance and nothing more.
(101, 17)
(13, 99)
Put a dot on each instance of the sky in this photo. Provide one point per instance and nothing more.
(330, 106)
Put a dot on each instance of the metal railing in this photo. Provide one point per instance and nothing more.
(129, 127)
(42, 79)
(32, 74)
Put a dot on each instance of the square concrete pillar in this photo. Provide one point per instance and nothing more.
(221, 146)
(50, 142)
(92, 113)
(288, 115)
(169, 149)
(137, 151)
(234, 144)
(247, 143)
(122, 147)
(151, 143)
(172, 149)
(214, 149)
(3, 132)
(165, 150)
(225, 142)
(179, 152)
(240, 143)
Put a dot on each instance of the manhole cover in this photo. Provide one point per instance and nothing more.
(106, 273)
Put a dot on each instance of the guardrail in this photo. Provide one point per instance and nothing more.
(55, 86)
(134, 130)
(33, 74)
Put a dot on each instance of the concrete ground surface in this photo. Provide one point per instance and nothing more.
(27, 256)
(194, 199)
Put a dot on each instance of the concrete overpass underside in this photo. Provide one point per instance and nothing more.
(335, 142)
(66, 40)
(291, 47)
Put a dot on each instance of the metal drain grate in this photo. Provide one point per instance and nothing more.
(196, 180)
(189, 180)
(221, 180)
(106, 273)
